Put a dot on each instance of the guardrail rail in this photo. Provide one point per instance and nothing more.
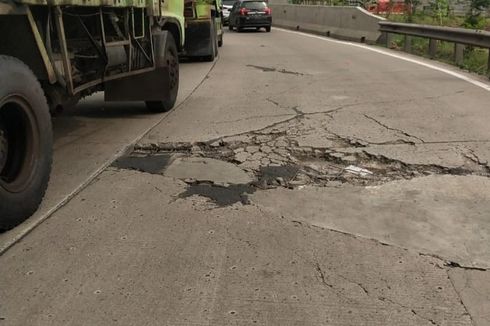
(459, 36)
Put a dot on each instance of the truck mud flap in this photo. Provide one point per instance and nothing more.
(198, 39)
(148, 86)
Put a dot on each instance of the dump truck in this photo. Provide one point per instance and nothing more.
(53, 53)
(204, 28)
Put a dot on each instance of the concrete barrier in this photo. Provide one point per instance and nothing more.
(348, 23)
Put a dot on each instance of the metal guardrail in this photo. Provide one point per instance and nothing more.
(459, 36)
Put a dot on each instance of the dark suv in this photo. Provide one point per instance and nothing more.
(250, 13)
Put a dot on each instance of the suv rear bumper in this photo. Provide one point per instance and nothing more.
(255, 21)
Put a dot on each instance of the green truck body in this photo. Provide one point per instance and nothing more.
(54, 52)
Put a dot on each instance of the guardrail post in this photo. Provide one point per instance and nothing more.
(458, 53)
(432, 48)
(389, 39)
(488, 64)
(408, 44)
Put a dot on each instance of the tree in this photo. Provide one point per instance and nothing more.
(411, 6)
(474, 17)
(440, 9)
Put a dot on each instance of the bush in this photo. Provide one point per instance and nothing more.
(474, 18)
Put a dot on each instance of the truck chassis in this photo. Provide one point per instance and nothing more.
(53, 54)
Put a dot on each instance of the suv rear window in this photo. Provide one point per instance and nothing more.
(229, 2)
(254, 5)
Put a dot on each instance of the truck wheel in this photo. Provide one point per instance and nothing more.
(230, 27)
(268, 29)
(26, 142)
(172, 58)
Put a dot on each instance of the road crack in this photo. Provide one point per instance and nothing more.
(474, 158)
(393, 129)
(282, 71)
(461, 299)
(412, 310)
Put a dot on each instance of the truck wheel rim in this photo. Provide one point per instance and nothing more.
(18, 142)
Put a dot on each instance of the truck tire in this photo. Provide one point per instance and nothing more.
(172, 57)
(26, 142)
(220, 40)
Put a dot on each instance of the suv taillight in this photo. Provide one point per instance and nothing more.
(244, 11)
(268, 11)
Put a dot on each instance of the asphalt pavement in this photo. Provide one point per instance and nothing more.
(300, 181)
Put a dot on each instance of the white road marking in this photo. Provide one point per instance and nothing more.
(458, 75)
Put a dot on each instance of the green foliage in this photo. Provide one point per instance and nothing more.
(450, 20)
(411, 9)
(440, 10)
(474, 59)
(474, 17)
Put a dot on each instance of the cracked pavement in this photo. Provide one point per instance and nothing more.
(301, 183)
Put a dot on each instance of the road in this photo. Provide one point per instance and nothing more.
(300, 181)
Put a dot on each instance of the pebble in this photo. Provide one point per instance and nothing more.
(252, 149)
(337, 155)
(281, 151)
(349, 159)
(298, 182)
(265, 149)
(281, 181)
(265, 161)
(217, 143)
(276, 157)
(257, 156)
(281, 143)
(195, 149)
(242, 157)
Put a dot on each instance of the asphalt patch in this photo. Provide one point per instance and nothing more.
(155, 163)
(220, 195)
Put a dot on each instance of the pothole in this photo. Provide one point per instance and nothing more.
(279, 156)
(221, 195)
(144, 162)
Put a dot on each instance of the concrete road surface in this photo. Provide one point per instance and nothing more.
(303, 181)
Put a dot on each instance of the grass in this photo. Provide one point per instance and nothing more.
(474, 59)
(425, 19)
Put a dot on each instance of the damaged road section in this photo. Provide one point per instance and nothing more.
(305, 151)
